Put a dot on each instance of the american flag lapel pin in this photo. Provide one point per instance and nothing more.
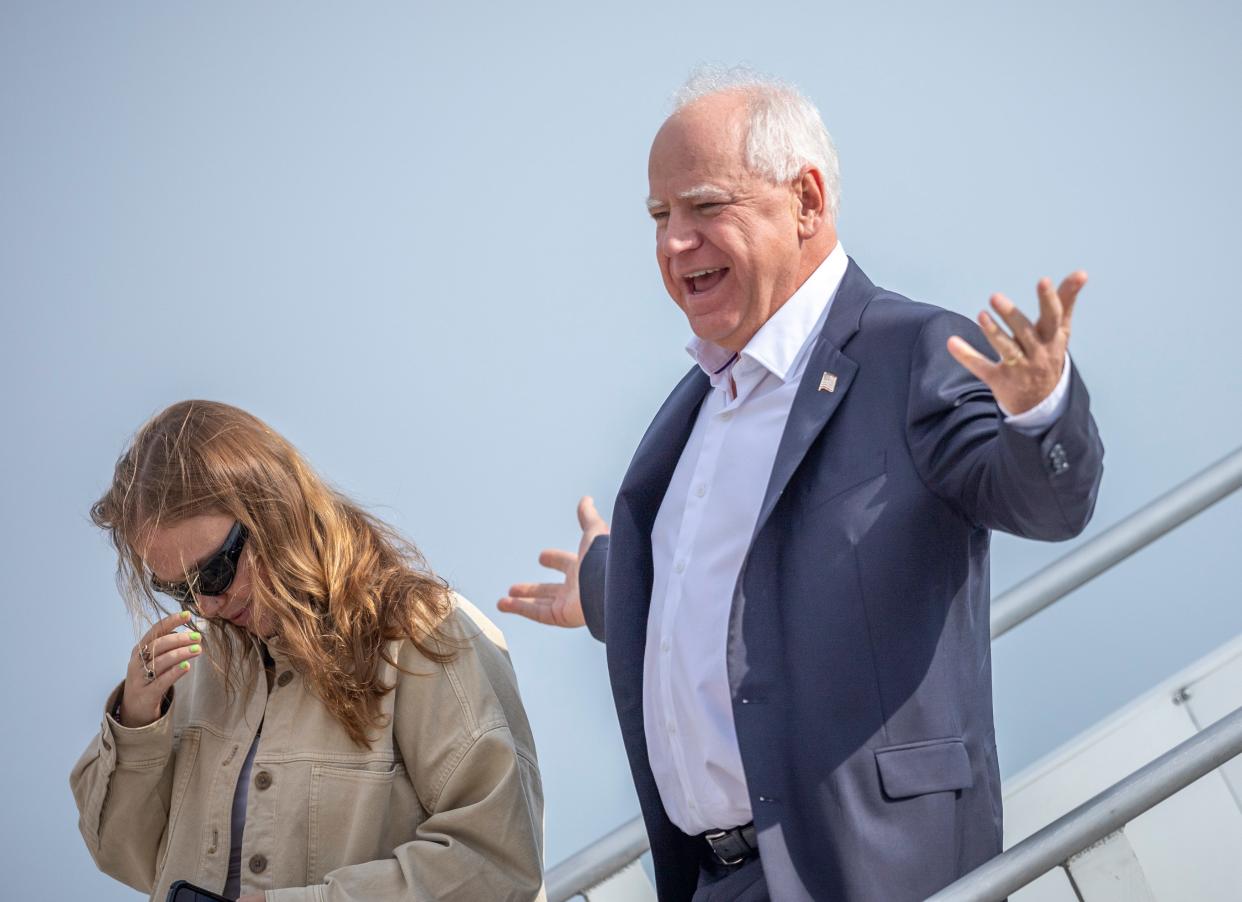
(828, 382)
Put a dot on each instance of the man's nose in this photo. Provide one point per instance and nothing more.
(680, 235)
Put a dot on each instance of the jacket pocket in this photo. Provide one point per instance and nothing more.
(918, 768)
(350, 816)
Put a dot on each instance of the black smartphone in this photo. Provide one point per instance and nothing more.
(182, 891)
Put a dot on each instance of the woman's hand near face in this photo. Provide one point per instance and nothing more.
(168, 654)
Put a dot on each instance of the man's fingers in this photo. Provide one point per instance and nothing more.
(978, 365)
(999, 339)
(1068, 294)
(1019, 325)
(535, 590)
(1051, 311)
(588, 517)
(556, 559)
(538, 611)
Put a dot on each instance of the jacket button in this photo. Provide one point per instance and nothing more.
(258, 864)
(285, 678)
(262, 780)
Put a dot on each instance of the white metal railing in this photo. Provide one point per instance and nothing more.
(597, 862)
(1113, 546)
(1101, 816)
(605, 858)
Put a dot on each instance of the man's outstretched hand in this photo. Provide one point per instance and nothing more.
(558, 604)
(1033, 356)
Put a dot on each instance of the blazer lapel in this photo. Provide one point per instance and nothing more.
(652, 467)
(628, 573)
(828, 376)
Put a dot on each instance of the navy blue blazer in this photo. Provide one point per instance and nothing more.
(859, 654)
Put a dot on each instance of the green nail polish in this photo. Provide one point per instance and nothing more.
(195, 649)
(184, 665)
(196, 636)
(185, 615)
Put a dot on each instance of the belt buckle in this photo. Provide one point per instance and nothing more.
(712, 836)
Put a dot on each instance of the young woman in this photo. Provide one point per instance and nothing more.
(320, 718)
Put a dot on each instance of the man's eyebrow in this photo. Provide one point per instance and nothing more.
(704, 192)
(697, 193)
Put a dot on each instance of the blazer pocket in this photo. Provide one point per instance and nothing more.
(917, 768)
(829, 485)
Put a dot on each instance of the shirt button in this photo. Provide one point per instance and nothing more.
(285, 678)
(672, 728)
(262, 780)
(700, 490)
(664, 646)
(681, 567)
(727, 415)
(258, 864)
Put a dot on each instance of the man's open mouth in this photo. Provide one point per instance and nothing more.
(704, 280)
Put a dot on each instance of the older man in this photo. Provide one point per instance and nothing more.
(794, 593)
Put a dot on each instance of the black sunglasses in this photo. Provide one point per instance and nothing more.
(213, 576)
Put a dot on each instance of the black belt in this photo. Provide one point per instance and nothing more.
(733, 846)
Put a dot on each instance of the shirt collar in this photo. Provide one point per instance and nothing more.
(778, 343)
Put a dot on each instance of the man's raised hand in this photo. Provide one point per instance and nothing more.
(558, 604)
(1032, 356)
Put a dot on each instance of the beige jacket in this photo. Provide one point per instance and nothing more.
(446, 805)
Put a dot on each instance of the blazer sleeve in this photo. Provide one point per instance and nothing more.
(1038, 486)
(122, 785)
(591, 585)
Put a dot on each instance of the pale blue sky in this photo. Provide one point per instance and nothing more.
(412, 238)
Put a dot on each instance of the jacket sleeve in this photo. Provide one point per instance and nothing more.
(591, 585)
(122, 785)
(483, 834)
(1039, 486)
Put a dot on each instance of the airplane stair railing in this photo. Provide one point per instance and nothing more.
(1089, 842)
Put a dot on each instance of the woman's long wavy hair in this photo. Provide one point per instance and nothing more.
(335, 582)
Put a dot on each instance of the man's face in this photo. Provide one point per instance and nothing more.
(726, 239)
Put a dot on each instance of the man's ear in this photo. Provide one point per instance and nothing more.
(810, 202)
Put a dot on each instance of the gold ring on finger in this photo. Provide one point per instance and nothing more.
(1010, 361)
(149, 669)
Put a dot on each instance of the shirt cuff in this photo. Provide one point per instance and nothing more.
(1046, 412)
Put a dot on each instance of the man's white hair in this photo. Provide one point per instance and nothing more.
(785, 132)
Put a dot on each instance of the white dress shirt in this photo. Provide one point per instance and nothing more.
(700, 539)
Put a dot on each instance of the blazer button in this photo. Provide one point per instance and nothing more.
(285, 678)
(262, 780)
(258, 864)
